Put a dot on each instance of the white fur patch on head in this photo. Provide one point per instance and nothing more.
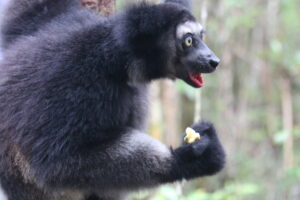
(2, 194)
(188, 27)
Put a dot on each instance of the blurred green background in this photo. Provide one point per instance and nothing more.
(253, 99)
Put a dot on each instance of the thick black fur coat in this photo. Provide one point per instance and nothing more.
(73, 102)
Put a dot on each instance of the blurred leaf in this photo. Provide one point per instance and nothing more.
(280, 137)
(276, 47)
(297, 59)
(294, 172)
(185, 89)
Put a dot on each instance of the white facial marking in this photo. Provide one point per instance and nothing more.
(188, 27)
(2, 194)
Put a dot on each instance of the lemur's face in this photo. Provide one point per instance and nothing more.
(193, 56)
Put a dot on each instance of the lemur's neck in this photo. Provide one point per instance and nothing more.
(108, 56)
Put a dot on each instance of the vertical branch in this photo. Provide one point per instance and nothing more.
(204, 12)
(287, 111)
(286, 93)
(155, 111)
(197, 114)
(169, 98)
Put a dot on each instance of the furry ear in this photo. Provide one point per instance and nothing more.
(185, 3)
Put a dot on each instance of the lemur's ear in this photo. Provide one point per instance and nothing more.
(185, 3)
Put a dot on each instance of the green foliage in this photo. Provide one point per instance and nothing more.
(281, 137)
(246, 20)
(231, 191)
(245, 104)
(285, 47)
(290, 12)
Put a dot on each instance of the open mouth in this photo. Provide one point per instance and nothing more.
(197, 78)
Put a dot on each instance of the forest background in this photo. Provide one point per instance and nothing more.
(253, 99)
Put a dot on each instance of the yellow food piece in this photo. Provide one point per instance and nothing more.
(191, 135)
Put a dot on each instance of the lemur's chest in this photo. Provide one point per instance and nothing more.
(138, 108)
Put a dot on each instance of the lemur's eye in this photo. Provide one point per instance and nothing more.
(188, 41)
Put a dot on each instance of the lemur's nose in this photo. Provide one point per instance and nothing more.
(213, 60)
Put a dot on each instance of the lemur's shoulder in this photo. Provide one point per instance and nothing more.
(25, 17)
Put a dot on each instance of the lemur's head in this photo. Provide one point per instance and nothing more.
(165, 41)
(192, 57)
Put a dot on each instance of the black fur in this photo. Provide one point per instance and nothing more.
(73, 103)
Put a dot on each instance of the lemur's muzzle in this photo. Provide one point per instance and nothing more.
(199, 60)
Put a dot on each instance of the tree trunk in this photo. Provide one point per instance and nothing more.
(225, 90)
(104, 7)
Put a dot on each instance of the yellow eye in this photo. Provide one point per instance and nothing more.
(188, 41)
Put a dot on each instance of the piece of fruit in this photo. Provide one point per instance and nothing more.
(191, 135)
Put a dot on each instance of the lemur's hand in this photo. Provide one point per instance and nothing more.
(203, 157)
(209, 138)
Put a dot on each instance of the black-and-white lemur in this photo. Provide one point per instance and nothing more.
(73, 102)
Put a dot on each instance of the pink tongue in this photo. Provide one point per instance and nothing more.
(197, 79)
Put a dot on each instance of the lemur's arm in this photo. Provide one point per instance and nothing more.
(134, 160)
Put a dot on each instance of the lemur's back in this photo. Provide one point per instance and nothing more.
(24, 17)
